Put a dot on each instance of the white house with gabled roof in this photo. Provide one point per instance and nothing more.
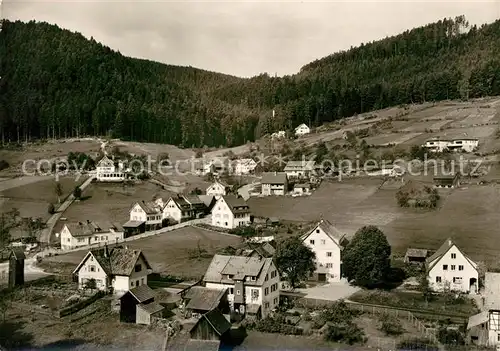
(302, 130)
(244, 166)
(326, 242)
(450, 268)
(119, 268)
(218, 188)
(230, 212)
(107, 171)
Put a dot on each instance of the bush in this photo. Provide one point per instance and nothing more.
(450, 336)
(276, 324)
(3, 165)
(51, 209)
(417, 344)
(346, 332)
(390, 325)
(77, 193)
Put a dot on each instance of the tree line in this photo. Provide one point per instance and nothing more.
(56, 83)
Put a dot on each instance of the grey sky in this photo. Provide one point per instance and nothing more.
(243, 38)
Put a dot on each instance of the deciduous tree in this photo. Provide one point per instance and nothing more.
(294, 260)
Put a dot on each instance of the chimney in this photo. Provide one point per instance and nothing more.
(88, 221)
(450, 242)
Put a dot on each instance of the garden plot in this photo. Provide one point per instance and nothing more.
(476, 117)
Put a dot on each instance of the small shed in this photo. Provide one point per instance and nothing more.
(133, 228)
(416, 255)
(273, 221)
(146, 312)
(211, 326)
(447, 180)
(16, 267)
(200, 300)
(142, 294)
(302, 188)
(477, 329)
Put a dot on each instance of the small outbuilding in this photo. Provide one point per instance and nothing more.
(416, 255)
(137, 305)
(302, 188)
(447, 180)
(211, 326)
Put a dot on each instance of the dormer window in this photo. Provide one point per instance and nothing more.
(230, 276)
(252, 279)
(138, 268)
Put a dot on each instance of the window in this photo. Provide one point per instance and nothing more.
(231, 291)
(457, 280)
(445, 267)
(453, 255)
(137, 283)
(311, 242)
(142, 281)
(266, 305)
(252, 279)
(498, 337)
(276, 300)
(138, 267)
(266, 291)
(452, 267)
(328, 254)
(131, 283)
(460, 268)
(267, 278)
(92, 268)
(317, 230)
(329, 265)
(438, 279)
(238, 292)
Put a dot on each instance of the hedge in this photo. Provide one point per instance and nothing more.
(80, 305)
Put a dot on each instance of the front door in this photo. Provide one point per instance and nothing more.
(321, 277)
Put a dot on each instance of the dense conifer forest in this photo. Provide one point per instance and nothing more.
(56, 83)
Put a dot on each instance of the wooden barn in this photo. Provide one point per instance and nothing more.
(137, 306)
(211, 326)
(16, 267)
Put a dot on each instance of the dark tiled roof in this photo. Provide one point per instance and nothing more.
(119, 261)
(205, 299)
(152, 307)
(417, 253)
(142, 293)
(274, 178)
(234, 201)
(85, 228)
(443, 249)
(217, 321)
(329, 230)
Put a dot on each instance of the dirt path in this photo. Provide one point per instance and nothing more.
(45, 235)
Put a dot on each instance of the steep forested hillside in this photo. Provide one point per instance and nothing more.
(56, 83)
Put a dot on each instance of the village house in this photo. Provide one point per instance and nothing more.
(120, 269)
(208, 332)
(259, 250)
(198, 300)
(274, 183)
(483, 329)
(302, 130)
(416, 255)
(182, 208)
(216, 165)
(108, 171)
(218, 188)
(78, 234)
(443, 180)
(301, 188)
(244, 166)
(230, 212)
(253, 283)
(144, 214)
(138, 306)
(300, 169)
(278, 135)
(450, 268)
(461, 144)
(326, 242)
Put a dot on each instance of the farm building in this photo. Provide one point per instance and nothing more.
(212, 325)
(109, 171)
(87, 233)
(16, 267)
(460, 144)
(199, 300)
(447, 180)
(138, 306)
(300, 169)
(147, 213)
(416, 255)
(302, 188)
(302, 129)
(450, 268)
(182, 208)
(274, 183)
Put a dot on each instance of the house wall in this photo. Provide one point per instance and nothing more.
(171, 210)
(138, 214)
(204, 331)
(121, 284)
(143, 317)
(273, 189)
(323, 246)
(494, 328)
(446, 276)
(109, 173)
(241, 220)
(302, 130)
(69, 242)
(256, 294)
(478, 335)
(222, 215)
(216, 189)
(91, 269)
(141, 277)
